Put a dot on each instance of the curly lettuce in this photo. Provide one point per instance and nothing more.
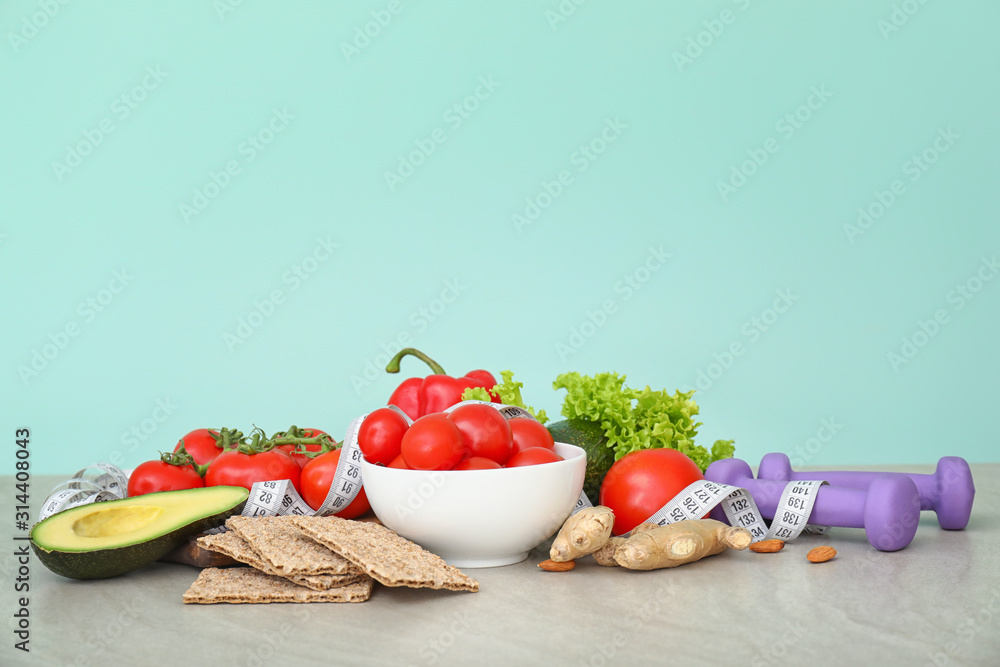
(509, 393)
(634, 419)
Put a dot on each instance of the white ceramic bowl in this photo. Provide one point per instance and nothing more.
(478, 518)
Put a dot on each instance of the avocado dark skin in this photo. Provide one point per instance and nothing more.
(590, 436)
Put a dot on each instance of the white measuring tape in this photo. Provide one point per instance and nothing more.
(700, 497)
(95, 483)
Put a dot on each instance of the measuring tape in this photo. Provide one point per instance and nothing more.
(700, 497)
(95, 483)
(279, 498)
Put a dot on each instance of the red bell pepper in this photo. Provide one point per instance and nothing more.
(420, 396)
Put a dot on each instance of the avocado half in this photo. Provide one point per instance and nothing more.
(102, 540)
(590, 437)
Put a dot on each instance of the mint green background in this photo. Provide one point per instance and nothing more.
(522, 292)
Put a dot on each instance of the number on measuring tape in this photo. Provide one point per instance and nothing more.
(702, 496)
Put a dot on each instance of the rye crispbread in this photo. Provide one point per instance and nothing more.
(282, 545)
(234, 546)
(248, 585)
(386, 557)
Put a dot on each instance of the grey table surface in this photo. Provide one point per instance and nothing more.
(936, 602)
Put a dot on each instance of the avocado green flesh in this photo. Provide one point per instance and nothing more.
(102, 540)
(589, 436)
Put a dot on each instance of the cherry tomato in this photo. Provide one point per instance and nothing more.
(381, 435)
(153, 476)
(235, 468)
(398, 462)
(300, 458)
(202, 444)
(529, 433)
(316, 479)
(642, 482)
(531, 456)
(477, 462)
(485, 432)
(433, 442)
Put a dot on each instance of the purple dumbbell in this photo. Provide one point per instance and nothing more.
(888, 510)
(949, 491)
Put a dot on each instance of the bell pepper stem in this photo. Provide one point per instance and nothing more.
(393, 365)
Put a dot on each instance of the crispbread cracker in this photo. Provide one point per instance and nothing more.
(281, 544)
(388, 558)
(248, 585)
(234, 546)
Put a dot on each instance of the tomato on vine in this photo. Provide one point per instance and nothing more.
(171, 472)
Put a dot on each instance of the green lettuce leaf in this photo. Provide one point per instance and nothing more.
(634, 419)
(509, 393)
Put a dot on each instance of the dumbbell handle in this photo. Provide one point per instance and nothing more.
(948, 491)
(888, 510)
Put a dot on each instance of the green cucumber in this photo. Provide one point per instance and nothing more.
(102, 540)
(589, 436)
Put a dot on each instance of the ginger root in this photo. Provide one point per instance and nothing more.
(678, 543)
(583, 533)
(606, 555)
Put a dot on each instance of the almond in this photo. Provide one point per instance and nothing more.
(821, 554)
(553, 566)
(767, 546)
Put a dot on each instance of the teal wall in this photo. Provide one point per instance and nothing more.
(226, 213)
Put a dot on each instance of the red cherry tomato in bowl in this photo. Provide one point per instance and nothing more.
(532, 456)
(154, 476)
(642, 482)
(485, 431)
(530, 433)
(234, 468)
(381, 435)
(316, 479)
(433, 442)
(477, 463)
